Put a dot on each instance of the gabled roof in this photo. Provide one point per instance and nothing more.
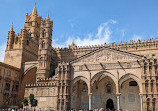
(104, 53)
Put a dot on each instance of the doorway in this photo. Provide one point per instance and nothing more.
(110, 104)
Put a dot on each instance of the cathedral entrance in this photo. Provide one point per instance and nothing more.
(103, 88)
(110, 104)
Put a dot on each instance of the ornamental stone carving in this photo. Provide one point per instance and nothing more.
(103, 66)
(107, 55)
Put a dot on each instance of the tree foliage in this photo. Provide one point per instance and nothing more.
(34, 103)
(25, 101)
(31, 99)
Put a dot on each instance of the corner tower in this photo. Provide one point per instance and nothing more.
(45, 49)
(23, 47)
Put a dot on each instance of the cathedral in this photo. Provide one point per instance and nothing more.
(115, 76)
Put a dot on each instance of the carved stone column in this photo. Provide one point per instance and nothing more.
(141, 102)
(148, 77)
(118, 101)
(90, 101)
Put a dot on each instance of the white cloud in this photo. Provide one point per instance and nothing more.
(102, 35)
(56, 44)
(2, 52)
(136, 37)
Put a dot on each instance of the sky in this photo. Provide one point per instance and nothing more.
(86, 22)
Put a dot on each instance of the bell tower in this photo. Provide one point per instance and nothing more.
(45, 50)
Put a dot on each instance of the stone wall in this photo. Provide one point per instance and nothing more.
(46, 96)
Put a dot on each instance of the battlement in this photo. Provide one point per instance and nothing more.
(41, 84)
(132, 45)
(51, 81)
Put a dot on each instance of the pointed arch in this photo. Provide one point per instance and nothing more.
(130, 76)
(105, 73)
(83, 79)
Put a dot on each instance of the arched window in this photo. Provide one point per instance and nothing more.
(44, 33)
(27, 42)
(154, 103)
(43, 44)
(145, 67)
(148, 103)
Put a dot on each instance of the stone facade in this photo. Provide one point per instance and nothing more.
(122, 75)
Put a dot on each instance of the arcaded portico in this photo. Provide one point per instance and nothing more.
(102, 91)
(107, 83)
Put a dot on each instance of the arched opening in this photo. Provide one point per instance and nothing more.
(129, 98)
(103, 92)
(110, 104)
(79, 96)
(28, 78)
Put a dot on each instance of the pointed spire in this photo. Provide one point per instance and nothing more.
(12, 28)
(47, 18)
(72, 42)
(34, 11)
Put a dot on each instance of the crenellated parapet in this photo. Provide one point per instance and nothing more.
(44, 82)
(146, 44)
(41, 85)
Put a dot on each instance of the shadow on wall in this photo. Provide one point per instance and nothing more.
(28, 78)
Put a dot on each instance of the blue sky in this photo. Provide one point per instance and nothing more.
(86, 22)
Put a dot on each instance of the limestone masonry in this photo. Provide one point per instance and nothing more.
(115, 76)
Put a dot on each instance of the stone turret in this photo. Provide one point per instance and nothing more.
(32, 23)
(44, 52)
(11, 35)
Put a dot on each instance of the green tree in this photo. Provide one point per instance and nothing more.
(31, 98)
(35, 102)
(25, 102)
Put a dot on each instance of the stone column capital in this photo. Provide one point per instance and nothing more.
(118, 94)
(141, 94)
(89, 94)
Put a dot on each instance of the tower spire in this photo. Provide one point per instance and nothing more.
(47, 18)
(34, 11)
